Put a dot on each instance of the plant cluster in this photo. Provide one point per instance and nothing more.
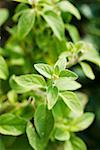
(42, 101)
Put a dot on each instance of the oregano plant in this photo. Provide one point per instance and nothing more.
(40, 98)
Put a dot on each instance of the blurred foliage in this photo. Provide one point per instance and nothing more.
(89, 28)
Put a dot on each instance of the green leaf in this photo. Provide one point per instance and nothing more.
(89, 53)
(26, 111)
(66, 6)
(52, 96)
(82, 122)
(72, 101)
(17, 143)
(12, 125)
(3, 69)
(68, 145)
(12, 97)
(61, 63)
(61, 134)
(56, 23)
(87, 70)
(2, 147)
(44, 121)
(44, 69)
(74, 34)
(26, 23)
(20, 9)
(75, 143)
(60, 110)
(34, 139)
(64, 83)
(23, 1)
(25, 83)
(68, 73)
(3, 15)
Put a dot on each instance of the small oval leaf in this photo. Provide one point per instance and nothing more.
(72, 101)
(26, 23)
(25, 83)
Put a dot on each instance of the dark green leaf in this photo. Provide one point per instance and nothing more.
(43, 121)
(60, 110)
(2, 147)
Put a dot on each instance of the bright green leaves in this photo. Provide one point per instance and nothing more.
(43, 121)
(26, 23)
(3, 69)
(56, 23)
(34, 140)
(12, 97)
(12, 125)
(89, 53)
(87, 70)
(72, 101)
(75, 143)
(66, 6)
(23, 1)
(26, 83)
(61, 63)
(52, 96)
(69, 74)
(82, 122)
(44, 69)
(74, 34)
(65, 83)
(61, 134)
(3, 15)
